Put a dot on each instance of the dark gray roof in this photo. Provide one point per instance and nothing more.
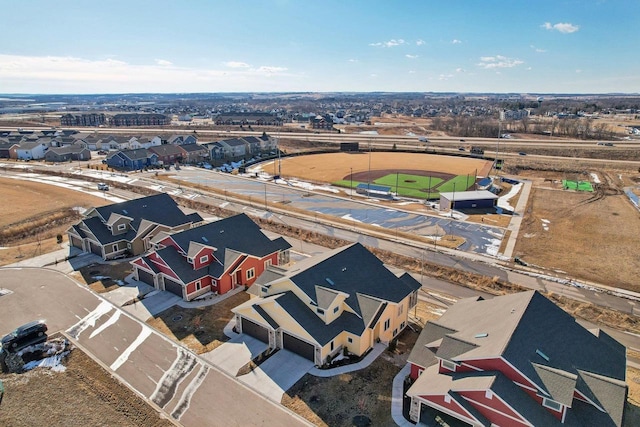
(166, 150)
(270, 320)
(251, 139)
(315, 326)
(67, 149)
(420, 355)
(190, 148)
(103, 234)
(238, 233)
(139, 153)
(159, 209)
(235, 142)
(353, 270)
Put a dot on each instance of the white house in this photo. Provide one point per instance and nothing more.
(31, 150)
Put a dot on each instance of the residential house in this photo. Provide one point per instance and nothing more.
(342, 302)
(193, 153)
(132, 159)
(8, 150)
(215, 257)
(67, 153)
(31, 150)
(216, 151)
(168, 154)
(114, 143)
(267, 143)
(253, 144)
(125, 229)
(92, 119)
(515, 360)
(182, 139)
(144, 142)
(235, 149)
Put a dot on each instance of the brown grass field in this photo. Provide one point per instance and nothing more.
(32, 214)
(331, 167)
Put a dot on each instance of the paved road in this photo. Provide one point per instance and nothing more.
(182, 385)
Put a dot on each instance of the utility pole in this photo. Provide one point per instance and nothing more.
(351, 185)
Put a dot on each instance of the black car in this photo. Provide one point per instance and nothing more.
(25, 335)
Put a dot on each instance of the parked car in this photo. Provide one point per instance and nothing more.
(461, 149)
(28, 334)
(103, 187)
(522, 153)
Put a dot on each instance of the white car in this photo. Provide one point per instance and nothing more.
(103, 187)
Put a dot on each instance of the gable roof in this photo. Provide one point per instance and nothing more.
(238, 233)
(159, 209)
(166, 150)
(352, 270)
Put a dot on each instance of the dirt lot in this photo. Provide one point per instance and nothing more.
(103, 277)
(83, 395)
(592, 236)
(333, 167)
(33, 214)
(200, 329)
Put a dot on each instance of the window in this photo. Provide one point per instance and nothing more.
(449, 365)
(128, 245)
(331, 345)
(251, 273)
(350, 340)
(402, 325)
(319, 311)
(387, 323)
(114, 248)
(190, 260)
(447, 398)
(395, 332)
(198, 285)
(552, 404)
(122, 227)
(204, 259)
(335, 310)
(488, 394)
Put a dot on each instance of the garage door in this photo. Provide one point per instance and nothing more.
(145, 277)
(173, 287)
(96, 249)
(255, 330)
(298, 346)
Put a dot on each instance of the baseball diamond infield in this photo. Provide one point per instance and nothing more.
(385, 168)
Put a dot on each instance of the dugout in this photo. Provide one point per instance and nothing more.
(349, 146)
(481, 199)
(373, 190)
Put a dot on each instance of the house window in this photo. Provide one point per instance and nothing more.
(251, 273)
(350, 340)
(267, 263)
(552, 404)
(447, 398)
(335, 310)
(488, 394)
(395, 332)
(190, 260)
(122, 227)
(449, 365)
(204, 259)
(319, 311)
(114, 248)
(331, 345)
(198, 285)
(387, 323)
(402, 325)
(420, 371)
(128, 245)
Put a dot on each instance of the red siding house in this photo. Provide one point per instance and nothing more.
(216, 257)
(515, 360)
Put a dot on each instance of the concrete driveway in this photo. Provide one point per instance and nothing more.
(277, 374)
(235, 353)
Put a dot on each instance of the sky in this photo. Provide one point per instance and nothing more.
(140, 46)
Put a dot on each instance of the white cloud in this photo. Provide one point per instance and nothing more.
(563, 27)
(390, 43)
(411, 56)
(58, 74)
(353, 60)
(456, 41)
(578, 71)
(412, 71)
(459, 70)
(237, 64)
(498, 61)
(444, 77)
(420, 42)
(537, 49)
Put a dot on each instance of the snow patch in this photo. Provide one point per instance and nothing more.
(595, 178)
(545, 224)
(503, 201)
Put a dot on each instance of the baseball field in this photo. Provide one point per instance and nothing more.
(416, 175)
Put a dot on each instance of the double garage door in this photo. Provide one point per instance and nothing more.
(145, 277)
(298, 346)
(255, 330)
(173, 287)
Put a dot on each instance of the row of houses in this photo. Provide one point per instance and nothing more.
(125, 119)
(514, 360)
(217, 152)
(343, 302)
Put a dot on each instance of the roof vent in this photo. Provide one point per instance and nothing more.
(541, 354)
(204, 239)
(344, 269)
(125, 211)
(221, 231)
(482, 335)
(329, 281)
